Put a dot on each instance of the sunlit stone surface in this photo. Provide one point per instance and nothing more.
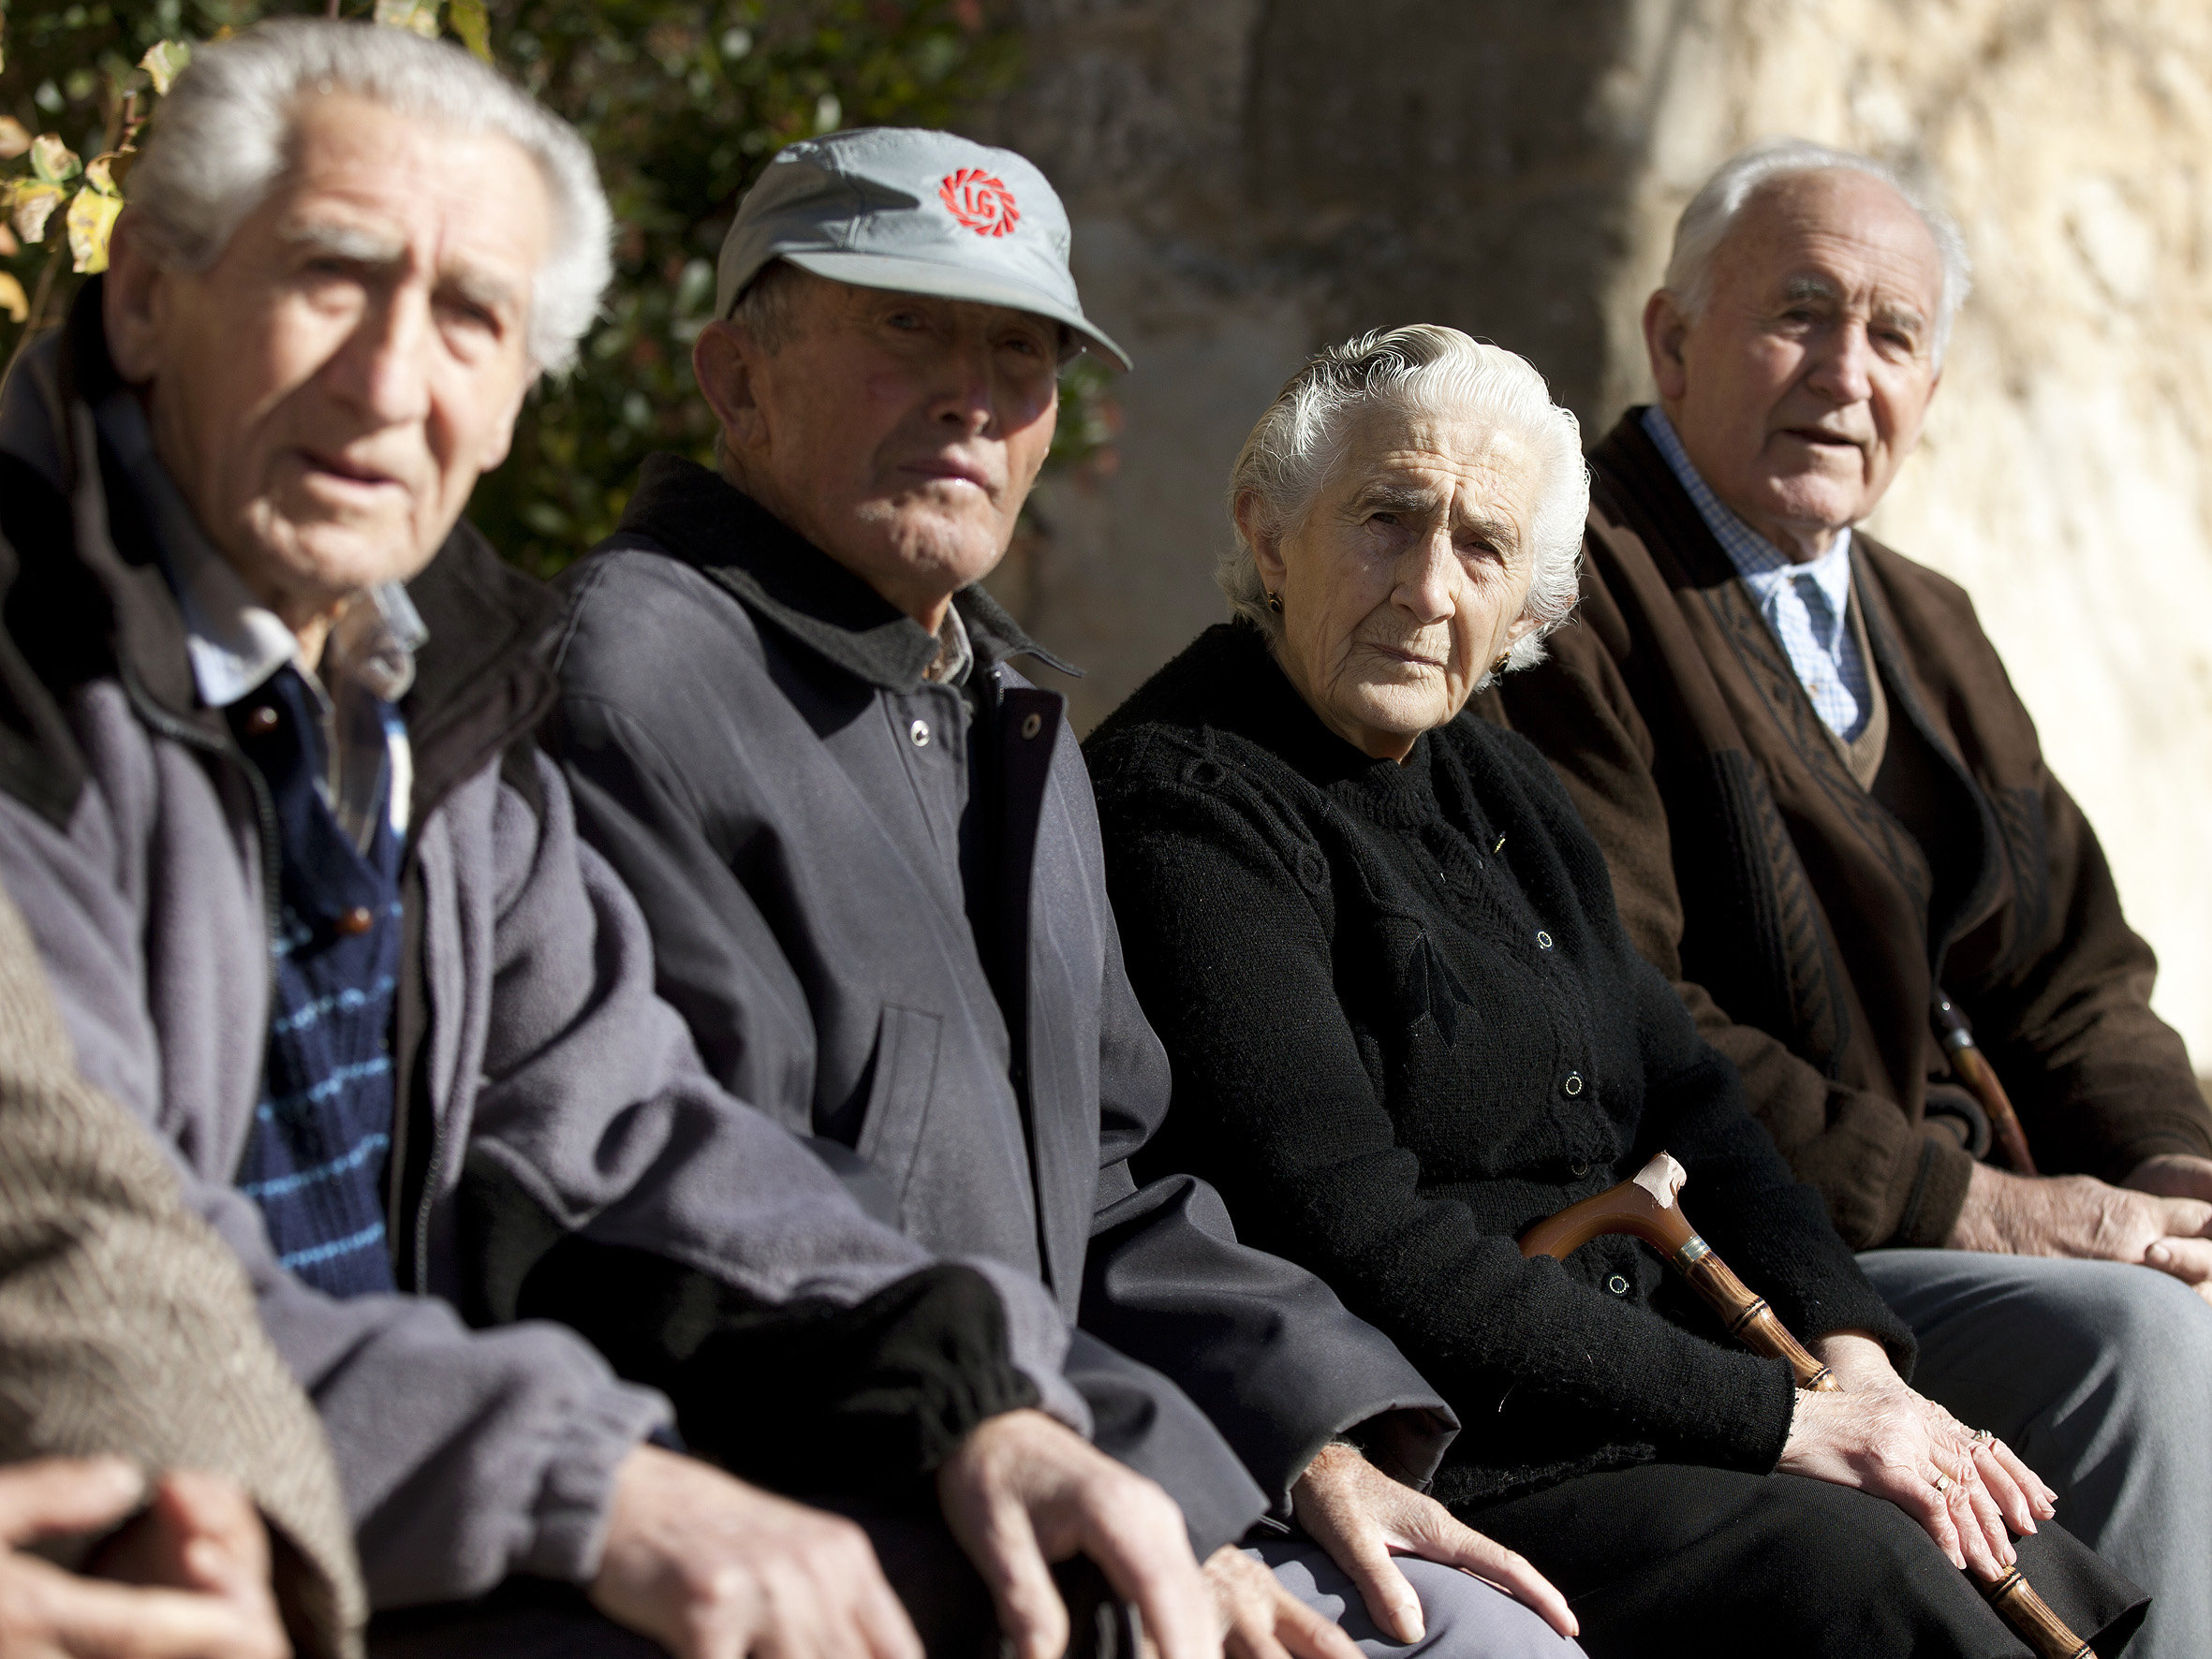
(1249, 181)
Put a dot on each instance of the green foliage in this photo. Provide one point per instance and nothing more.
(684, 101)
(684, 104)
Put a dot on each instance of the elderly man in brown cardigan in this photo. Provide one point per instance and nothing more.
(1820, 798)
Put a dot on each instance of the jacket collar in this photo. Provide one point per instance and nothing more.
(697, 515)
(1628, 466)
(480, 680)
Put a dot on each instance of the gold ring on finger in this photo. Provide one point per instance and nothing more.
(1942, 1481)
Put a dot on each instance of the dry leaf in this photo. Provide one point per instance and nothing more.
(14, 300)
(15, 138)
(92, 218)
(165, 60)
(53, 160)
(418, 15)
(470, 22)
(31, 203)
(9, 248)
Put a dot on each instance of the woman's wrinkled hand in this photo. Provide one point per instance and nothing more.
(1880, 1438)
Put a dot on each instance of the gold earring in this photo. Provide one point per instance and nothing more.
(1498, 666)
(1275, 603)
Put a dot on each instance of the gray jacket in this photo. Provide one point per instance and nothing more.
(533, 1057)
(885, 917)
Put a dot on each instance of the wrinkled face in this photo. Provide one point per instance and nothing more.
(898, 434)
(1801, 387)
(327, 394)
(1406, 578)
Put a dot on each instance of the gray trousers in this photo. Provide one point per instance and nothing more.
(1466, 1618)
(2100, 1376)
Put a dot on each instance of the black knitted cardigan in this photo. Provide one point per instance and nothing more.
(1406, 1023)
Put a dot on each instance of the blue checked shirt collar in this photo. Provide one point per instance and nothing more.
(1813, 627)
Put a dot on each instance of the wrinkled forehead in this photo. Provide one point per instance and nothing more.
(1848, 226)
(1449, 454)
(377, 185)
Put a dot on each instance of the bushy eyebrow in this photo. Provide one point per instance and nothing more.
(480, 288)
(347, 242)
(1897, 314)
(1809, 288)
(1892, 313)
(358, 246)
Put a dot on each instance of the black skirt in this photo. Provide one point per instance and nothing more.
(1672, 1559)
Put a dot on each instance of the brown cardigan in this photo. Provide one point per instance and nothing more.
(1803, 917)
(126, 1327)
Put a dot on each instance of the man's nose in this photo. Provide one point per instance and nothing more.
(383, 369)
(1427, 576)
(967, 391)
(1842, 370)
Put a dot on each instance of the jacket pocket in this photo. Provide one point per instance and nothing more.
(899, 1091)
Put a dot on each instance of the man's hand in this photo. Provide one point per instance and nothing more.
(202, 1541)
(1260, 1619)
(2079, 1215)
(1022, 1492)
(1880, 1437)
(2173, 1175)
(713, 1568)
(1361, 1518)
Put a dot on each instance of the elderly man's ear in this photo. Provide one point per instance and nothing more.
(725, 359)
(134, 301)
(1665, 328)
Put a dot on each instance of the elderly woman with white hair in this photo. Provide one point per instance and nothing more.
(1405, 1024)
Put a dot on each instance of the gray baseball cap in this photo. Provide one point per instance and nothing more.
(919, 211)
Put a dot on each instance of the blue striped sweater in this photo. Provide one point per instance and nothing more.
(315, 1160)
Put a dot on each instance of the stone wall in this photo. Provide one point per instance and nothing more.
(1250, 179)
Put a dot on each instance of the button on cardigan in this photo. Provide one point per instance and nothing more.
(1398, 1041)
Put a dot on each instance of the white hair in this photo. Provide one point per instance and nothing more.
(1435, 370)
(1713, 212)
(222, 136)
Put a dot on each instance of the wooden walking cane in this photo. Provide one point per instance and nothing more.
(1980, 1077)
(1644, 1208)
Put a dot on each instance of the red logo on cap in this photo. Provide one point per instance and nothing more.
(979, 201)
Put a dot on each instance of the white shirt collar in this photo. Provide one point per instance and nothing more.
(956, 653)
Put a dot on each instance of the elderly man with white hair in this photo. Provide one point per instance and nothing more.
(315, 911)
(1828, 817)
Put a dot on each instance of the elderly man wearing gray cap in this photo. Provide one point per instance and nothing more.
(870, 858)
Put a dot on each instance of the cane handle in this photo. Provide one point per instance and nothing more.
(1974, 1071)
(1644, 1207)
